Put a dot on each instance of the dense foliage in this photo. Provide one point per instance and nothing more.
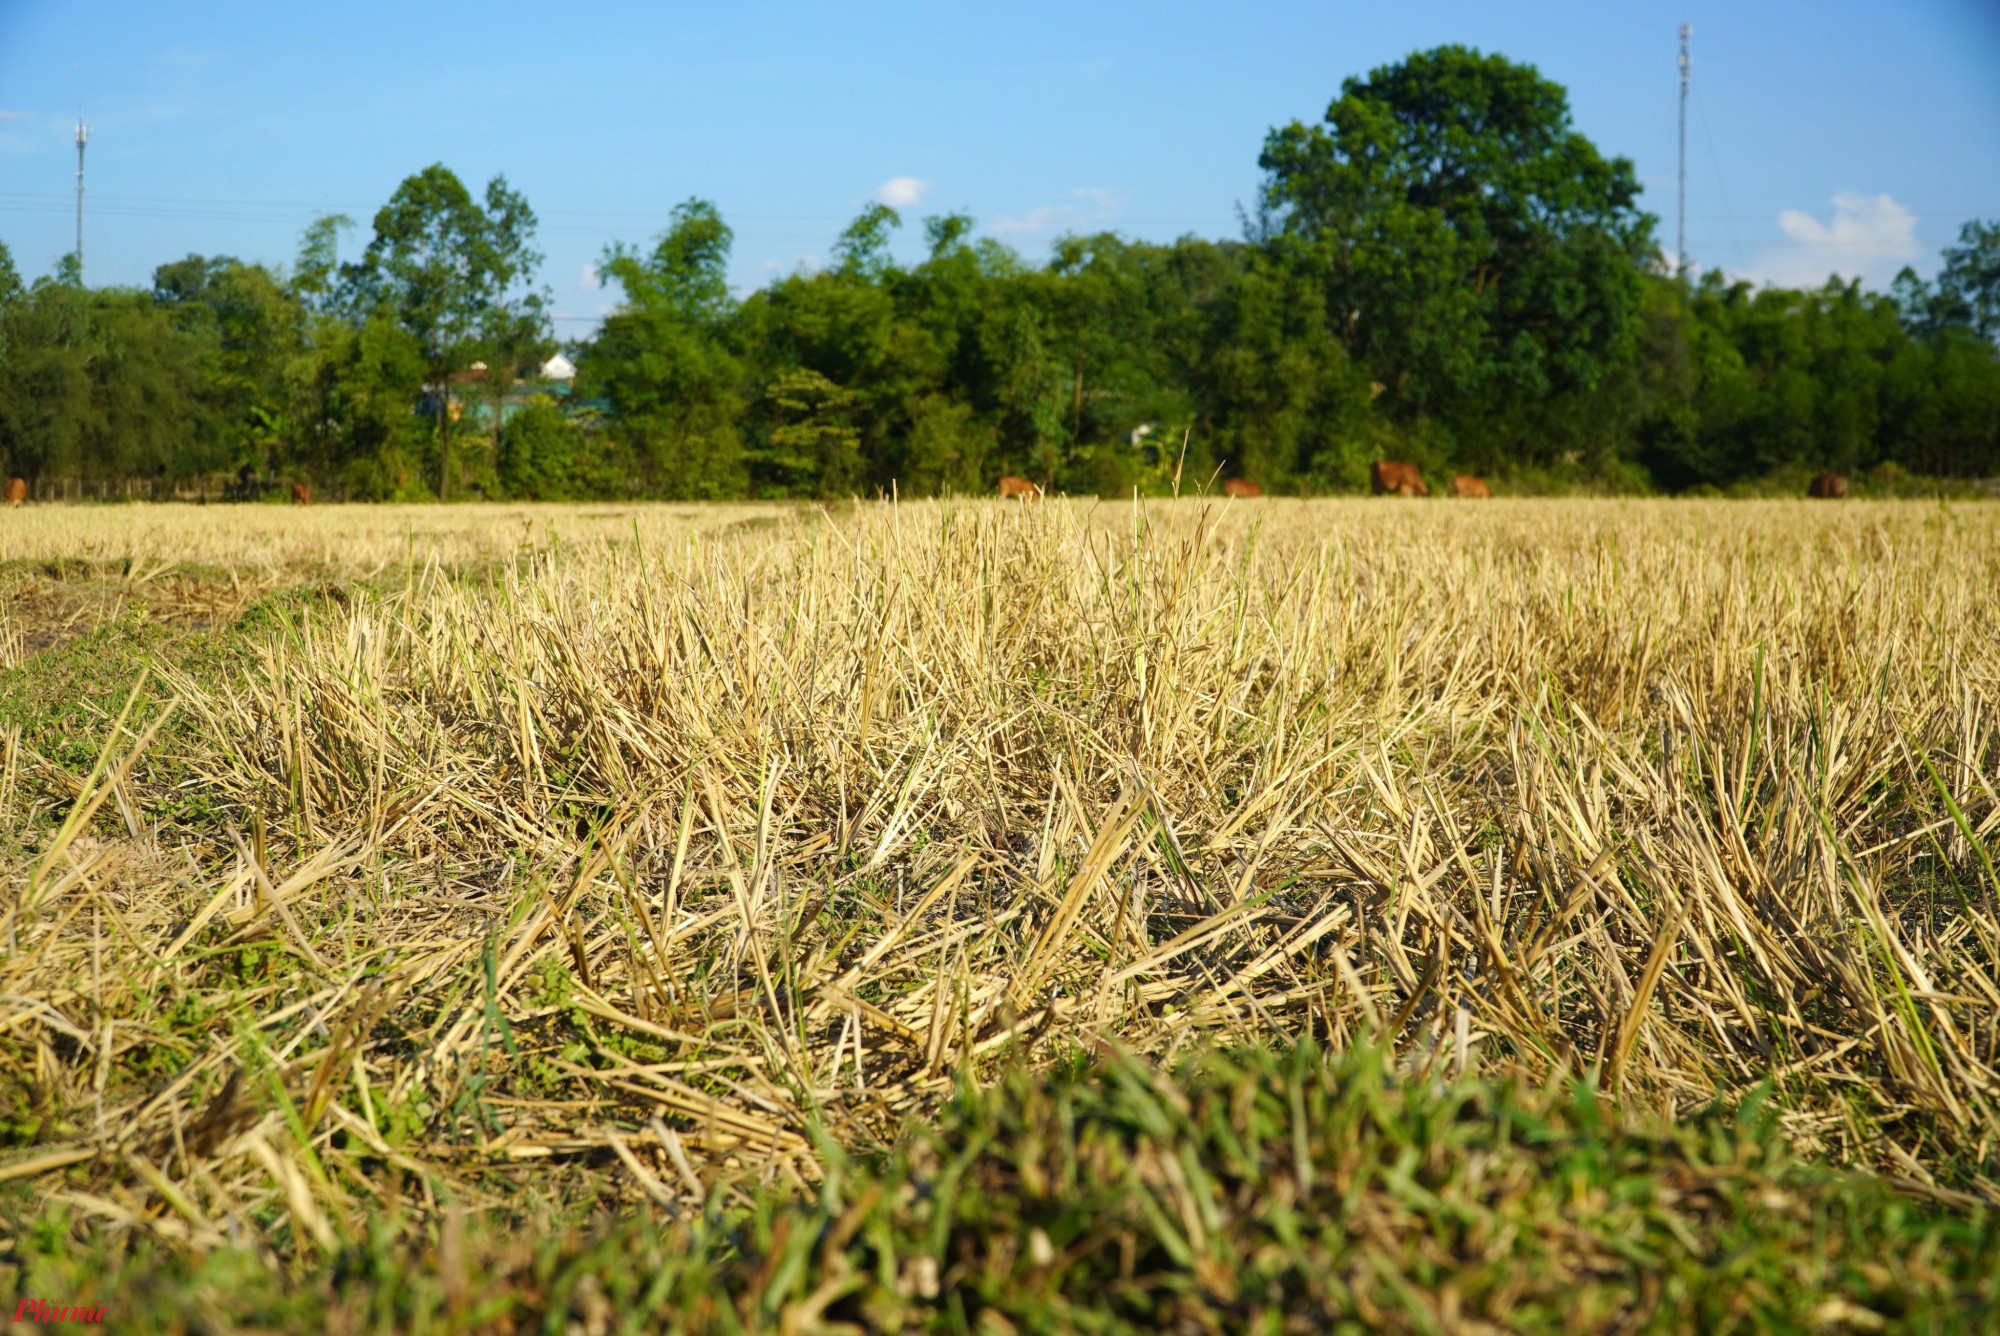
(1444, 270)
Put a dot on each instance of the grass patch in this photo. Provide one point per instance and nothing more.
(57, 706)
(1251, 1191)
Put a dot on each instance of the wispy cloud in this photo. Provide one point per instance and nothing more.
(1095, 207)
(15, 116)
(1869, 237)
(590, 278)
(901, 192)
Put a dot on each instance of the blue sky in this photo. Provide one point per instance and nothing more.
(1834, 136)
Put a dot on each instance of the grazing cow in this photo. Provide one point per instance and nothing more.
(302, 494)
(1241, 488)
(1021, 487)
(1464, 484)
(1392, 475)
(1828, 485)
(17, 491)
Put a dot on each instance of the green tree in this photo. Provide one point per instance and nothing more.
(316, 276)
(1478, 256)
(354, 382)
(863, 249)
(1967, 293)
(1752, 383)
(353, 390)
(100, 388)
(458, 278)
(10, 277)
(663, 361)
(941, 419)
(44, 379)
(150, 418)
(546, 456)
(814, 450)
(246, 324)
(839, 363)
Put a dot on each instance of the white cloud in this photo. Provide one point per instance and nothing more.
(590, 278)
(13, 116)
(901, 192)
(1870, 237)
(1100, 205)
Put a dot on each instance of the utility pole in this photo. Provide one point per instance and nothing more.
(82, 138)
(1680, 237)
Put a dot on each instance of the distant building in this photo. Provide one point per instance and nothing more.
(466, 395)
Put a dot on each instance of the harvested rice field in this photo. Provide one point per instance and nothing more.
(1280, 915)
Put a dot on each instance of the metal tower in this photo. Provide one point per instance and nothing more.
(82, 138)
(1681, 235)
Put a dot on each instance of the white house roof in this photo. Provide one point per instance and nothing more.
(558, 368)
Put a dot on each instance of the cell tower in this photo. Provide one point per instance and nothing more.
(82, 138)
(1681, 236)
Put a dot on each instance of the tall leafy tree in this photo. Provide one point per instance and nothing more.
(664, 361)
(246, 323)
(44, 376)
(838, 362)
(1967, 292)
(150, 417)
(316, 276)
(1762, 381)
(941, 434)
(458, 277)
(100, 388)
(354, 382)
(10, 277)
(1970, 283)
(1478, 255)
(863, 249)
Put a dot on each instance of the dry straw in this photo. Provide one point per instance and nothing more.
(664, 847)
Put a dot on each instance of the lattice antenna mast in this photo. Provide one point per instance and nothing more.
(1681, 235)
(82, 138)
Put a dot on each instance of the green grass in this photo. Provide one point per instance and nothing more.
(1253, 1191)
(64, 697)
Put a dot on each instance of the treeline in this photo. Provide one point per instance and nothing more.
(1443, 270)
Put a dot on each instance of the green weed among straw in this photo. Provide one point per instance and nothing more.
(1252, 1191)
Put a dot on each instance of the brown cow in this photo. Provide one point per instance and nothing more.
(17, 491)
(1241, 488)
(1021, 487)
(302, 494)
(1464, 484)
(1392, 475)
(1828, 485)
